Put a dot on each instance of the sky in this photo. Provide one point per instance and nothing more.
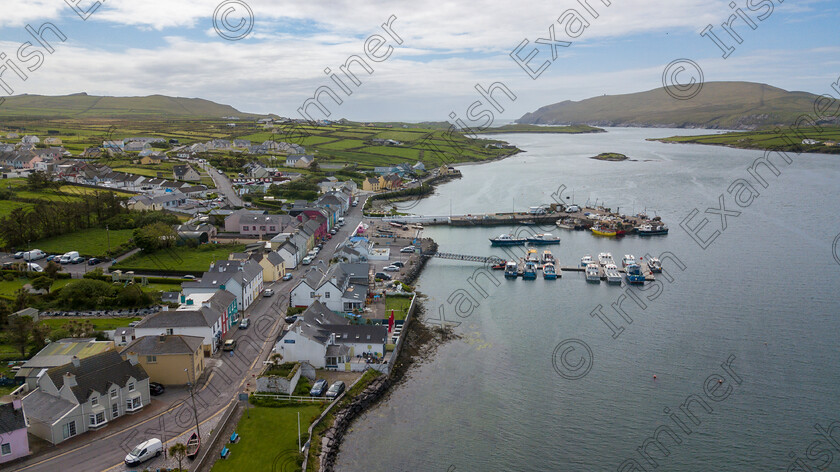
(263, 56)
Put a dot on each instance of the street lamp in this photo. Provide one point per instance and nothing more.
(191, 386)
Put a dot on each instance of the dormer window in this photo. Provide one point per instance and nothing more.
(131, 386)
(94, 400)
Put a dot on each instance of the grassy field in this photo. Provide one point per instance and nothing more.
(785, 139)
(92, 242)
(100, 324)
(7, 206)
(269, 439)
(180, 258)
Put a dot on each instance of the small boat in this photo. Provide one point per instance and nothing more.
(654, 265)
(593, 273)
(585, 260)
(548, 257)
(605, 259)
(544, 238)
(565, 224)
(652, 230)
(628, 260)
(532, 256)
(530, 271)
(511, 270)
(549, 272)
(613, 276)
(499, 266)
(634, 274)
(193, 444)
(603, 230)
(507, 240)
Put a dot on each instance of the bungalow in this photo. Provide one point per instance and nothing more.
(14, 441)
(52, 141)
(299, 160)
(343, 287)
(185, 172)
(330, 345)
(84, 395)
(116, 146)
(136, 146)
(168, 201)
(30, 140)
(418, 168)
(149, 160)
(169, 360)
(241, 143)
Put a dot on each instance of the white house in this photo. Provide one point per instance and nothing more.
(208, 317)
(84, 395)
(329, 346)
(244, 279)
(343, 287)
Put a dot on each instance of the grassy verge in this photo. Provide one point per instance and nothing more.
(268, 434)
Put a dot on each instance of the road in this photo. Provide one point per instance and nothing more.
(223, 185)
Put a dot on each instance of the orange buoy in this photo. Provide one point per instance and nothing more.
(654, 376)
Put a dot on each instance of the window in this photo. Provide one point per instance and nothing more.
(262, 228)
(170, 331)
(131, 386)
(115, 410)
(69, 429)
(113, 393)
(97, 419)
(311, 294)
(326, 294)
(94, 401)
(151, 359)
(133, 404)
(272, 228)
(6, 449)
(245, 228)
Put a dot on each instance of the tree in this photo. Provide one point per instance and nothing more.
(39, 336)
(179, 452)
(21, 298)
(52, 269)
(155, 236)
(21, 332)
(42, 283)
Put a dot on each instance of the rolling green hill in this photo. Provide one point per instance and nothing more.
(82, 105)
(719, 105)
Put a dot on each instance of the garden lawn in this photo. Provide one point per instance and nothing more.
(399, 305)
(267, 434)
(91, 242)
(8, 288)
(180, 258)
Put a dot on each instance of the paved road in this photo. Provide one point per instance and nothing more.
(174, 420)
(223, 185)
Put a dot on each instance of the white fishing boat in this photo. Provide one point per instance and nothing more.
(548, 257)
(655, 265)
(585, 260)
(613, 276)
(605, 258)
(628, 260)
(593, 273)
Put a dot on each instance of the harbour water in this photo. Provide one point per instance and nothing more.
(764, 297)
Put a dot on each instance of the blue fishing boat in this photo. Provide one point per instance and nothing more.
(530, 271)
(511, 270)
(549, 272)
(634, 274)
(507, 240)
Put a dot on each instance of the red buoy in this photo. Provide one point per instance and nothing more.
(654, 376)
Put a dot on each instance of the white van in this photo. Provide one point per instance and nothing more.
(341, 221)
(68, 257)
(572, 209)
(144, 451)
(34, 255)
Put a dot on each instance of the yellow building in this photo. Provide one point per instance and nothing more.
(272, 263)
(373, 184)
(168, 359)
(148, 160)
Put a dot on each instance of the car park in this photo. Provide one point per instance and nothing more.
(229, 345)
(288, 276)
(382, 276)
(391, 268)
(244, 323)
(336, 389)
(156, 388)
(319, 388)
(144, 451)
(268, 292)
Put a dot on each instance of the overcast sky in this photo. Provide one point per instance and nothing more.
(171, 47)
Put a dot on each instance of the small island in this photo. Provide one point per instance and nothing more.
(610, 156)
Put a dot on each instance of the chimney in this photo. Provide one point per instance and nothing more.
(70, 379)
(131, 357)
(332, 338)
(75, 361)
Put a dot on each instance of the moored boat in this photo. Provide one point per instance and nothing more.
(605, 259)
(593, 273)
(634, 274)
(507, 240)
(547, 257)
(549, 271)
(532, 256)
(652, 229)
(193, 444)
(511, 270)
(628, 260)
(613, 276)
(530, 271)
(654, 265)
(544, 238)
(499, 266)
(603, 230)
(585, 260)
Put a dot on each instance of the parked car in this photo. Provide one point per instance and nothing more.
(333, 231)
(306, 260)
(94, 261)
(156, 388)
(319, 388)
(391, 268)
(31, 266)
(288, 276)
(77, 260)
(245, 323)
(407, 249)
(19, 255)
(133, 324)
(144, 451)
(268, 292)
(291, 319)
(189, 277)
(51, 257)
(336, 389)
(398, 264)
(382, 275)
(229, 345)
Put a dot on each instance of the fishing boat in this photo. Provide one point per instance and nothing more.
(593, 273)
(548, 257)
(602, 230)
(565, 224)
(613, 276)
(605, 258)
(511, 270)
(543, 238)
(628, 260)
(652, 229)
(549, 272)
(499, 265)
(507, 240)
(532, 256)
(530, 271)
(585, 260)
(634, 274)
(654, 265)
(193, 444)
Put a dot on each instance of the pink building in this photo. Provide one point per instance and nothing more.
(13, 440)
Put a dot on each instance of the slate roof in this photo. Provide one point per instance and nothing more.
(11, 418)
(201, 316)
(358, 333)
(318, 314)
(97, 373)
(171, 345)
(45, 407)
